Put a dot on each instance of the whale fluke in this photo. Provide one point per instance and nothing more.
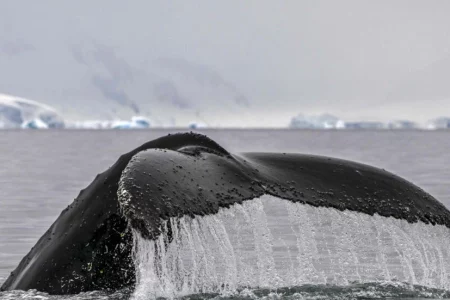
(90, 245)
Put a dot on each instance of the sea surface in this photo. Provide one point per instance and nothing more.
(41, 172)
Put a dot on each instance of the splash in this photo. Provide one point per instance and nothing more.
(271, 243)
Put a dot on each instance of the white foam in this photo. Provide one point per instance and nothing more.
(270, 242)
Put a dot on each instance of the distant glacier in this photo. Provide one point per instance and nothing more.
(136, 122)
(328, 121)
(16, 112)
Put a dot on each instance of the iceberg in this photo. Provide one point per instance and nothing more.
(340, 124)
(197, 125)
(402, 124)
(135, 123)
(327, 121)
(364, 125)
(121, 125)
(140, 122)
(439, 123)
(324, 121)
(18, 112)
(91, 124)
(34, 124)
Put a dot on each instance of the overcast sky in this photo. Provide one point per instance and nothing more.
(375, 60)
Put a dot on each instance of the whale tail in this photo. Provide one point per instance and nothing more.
(180, 213)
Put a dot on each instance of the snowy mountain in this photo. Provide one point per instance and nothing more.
(176, 90)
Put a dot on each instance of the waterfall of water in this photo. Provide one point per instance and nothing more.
(271, 242)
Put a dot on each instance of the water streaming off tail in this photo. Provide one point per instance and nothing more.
(270, 242)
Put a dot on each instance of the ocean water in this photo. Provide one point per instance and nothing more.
(43, 171)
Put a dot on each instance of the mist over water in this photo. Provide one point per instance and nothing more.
(43, 171)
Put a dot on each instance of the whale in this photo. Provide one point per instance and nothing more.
(90, 245)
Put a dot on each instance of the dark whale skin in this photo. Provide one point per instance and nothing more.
(89, 245)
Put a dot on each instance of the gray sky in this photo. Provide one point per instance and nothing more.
(229, 62)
